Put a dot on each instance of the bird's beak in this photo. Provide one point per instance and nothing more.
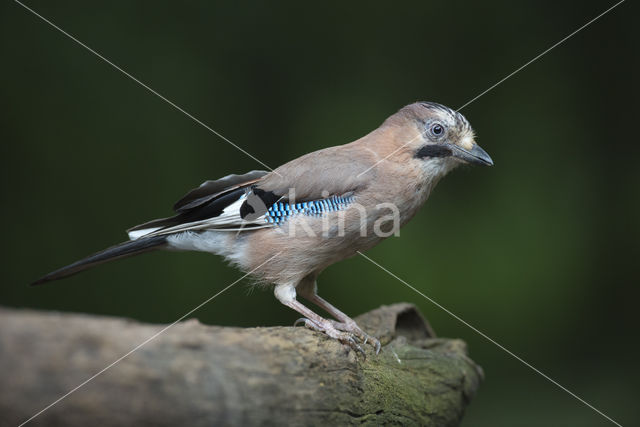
(475, 156)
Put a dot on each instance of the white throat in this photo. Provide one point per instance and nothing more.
(436, 168)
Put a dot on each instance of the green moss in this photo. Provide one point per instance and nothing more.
(406, 384)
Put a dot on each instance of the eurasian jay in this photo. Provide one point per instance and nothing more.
(286, 226)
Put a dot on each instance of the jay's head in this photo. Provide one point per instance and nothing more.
(435, 136)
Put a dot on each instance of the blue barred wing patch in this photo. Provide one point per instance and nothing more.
(279, 212)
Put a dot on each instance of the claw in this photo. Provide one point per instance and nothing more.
(347, 333)
(359, 349)
(351, 341)
(358, 333)
(330, 330)
(302, 320)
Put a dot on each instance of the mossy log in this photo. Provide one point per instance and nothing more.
(193, 374)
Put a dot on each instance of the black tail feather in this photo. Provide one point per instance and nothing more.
(122, 250)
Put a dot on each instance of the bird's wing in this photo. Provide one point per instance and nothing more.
(259, 199)
(333, 171)
(209, 190)
(318, 182)
(214, 204)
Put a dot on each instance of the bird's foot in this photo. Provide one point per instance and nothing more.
(327, 327)
(353, 328)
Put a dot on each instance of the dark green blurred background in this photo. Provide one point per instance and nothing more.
(539, 252)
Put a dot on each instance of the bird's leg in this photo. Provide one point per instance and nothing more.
(309, 291)
(286, 294)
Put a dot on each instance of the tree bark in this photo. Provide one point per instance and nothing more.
(193, 374)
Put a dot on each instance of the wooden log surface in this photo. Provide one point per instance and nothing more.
(193, 374)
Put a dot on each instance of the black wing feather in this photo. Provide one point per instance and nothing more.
(211, 189)
(206, 201)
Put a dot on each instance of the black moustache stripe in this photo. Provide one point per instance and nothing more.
(433, 150)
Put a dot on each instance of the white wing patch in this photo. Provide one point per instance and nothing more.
(133, 235)
(228, 220)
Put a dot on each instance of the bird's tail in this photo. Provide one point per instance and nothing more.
(122, 250)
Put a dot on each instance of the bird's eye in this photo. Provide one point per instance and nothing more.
(437, 130)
